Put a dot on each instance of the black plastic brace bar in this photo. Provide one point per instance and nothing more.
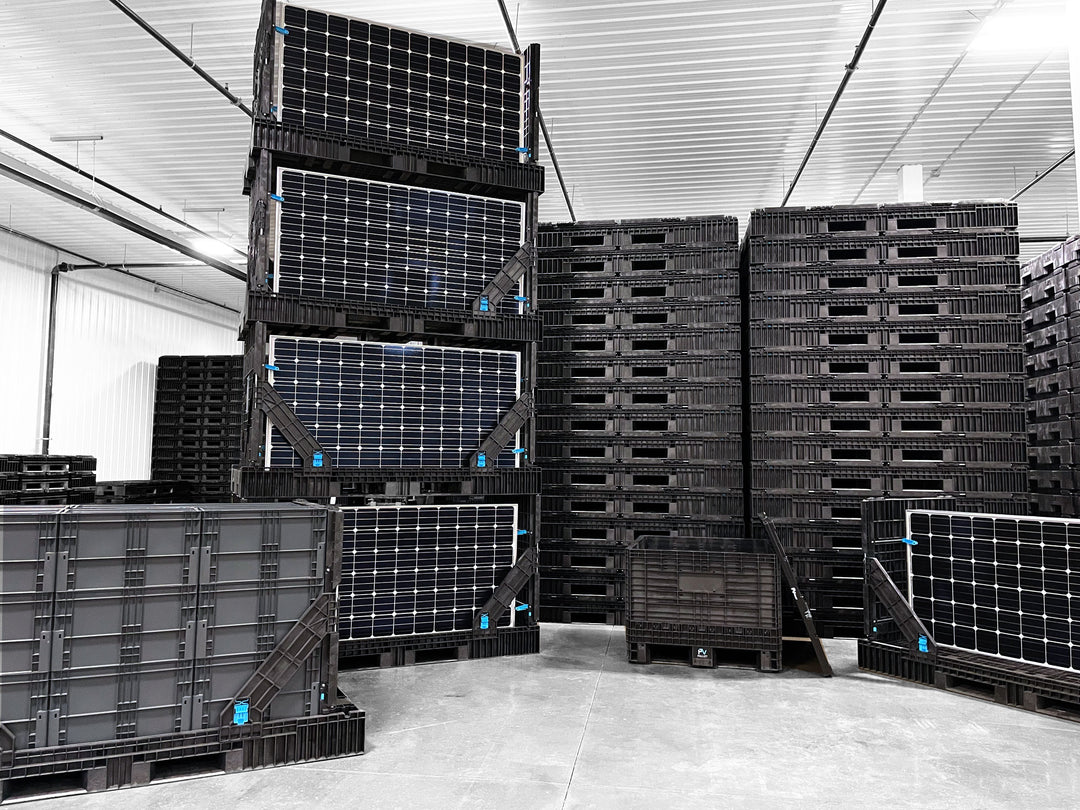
(516, 579)
(285, 661)
(503, 433)
(890, 596)
(277, 410)
(800, 602)
(505, 280)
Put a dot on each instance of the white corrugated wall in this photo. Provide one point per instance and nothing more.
(110, 332)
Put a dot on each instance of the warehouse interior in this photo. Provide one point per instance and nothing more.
(646, 287)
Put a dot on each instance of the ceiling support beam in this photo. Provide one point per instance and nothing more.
(540, 116)
(36, 179)
(97, 180)
(183, 57)
(849, 69)
(1042, 175)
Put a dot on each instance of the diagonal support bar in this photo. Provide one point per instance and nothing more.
(285, 661)
(277, 410)
(504, 432)
(516, 579)
(505, 280)
(897, 606)
(800, 602)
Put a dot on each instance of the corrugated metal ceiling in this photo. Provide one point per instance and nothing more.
(657, 108)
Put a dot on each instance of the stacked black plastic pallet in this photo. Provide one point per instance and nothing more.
(885, 357)
(639, 402)
(389, 328)
(44, 480)
(198, 417)
(1052, 340)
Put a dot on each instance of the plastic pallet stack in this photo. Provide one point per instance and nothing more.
(884, 358)
(143, 643)
(198, 413)
(43, 480)
(639, 401)
(1052, 339)
(389, 333)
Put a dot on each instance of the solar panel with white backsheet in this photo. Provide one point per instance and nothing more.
(359, 240)
(998, 584)
(367, 80)
(392, 404)
(422, 569)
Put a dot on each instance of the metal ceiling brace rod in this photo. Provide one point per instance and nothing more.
(183, 57)
(849, 69)
(1039, 177)
(50, 357)
(83, 173)
(34, 178)
(540, 116)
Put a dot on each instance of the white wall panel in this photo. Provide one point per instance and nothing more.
(110, 332)
(24, 303)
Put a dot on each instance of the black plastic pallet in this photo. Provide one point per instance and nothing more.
(894, 248)
(1061, 504)
(638, 234)
(909, 393)
(51, 498)
(842, 338)
(588, 293)
(646, 316)
(326, 317)
(640, 396)
(436, 647)
(697, 655)
(563, 527)
(584, 614)
(1062, 257)
(572, 266)
(652, 506)
(911, 276)
(892, 450)
(867, 364)
(580, 586)
(639, 450)
(566, 343)
(628, 369)
(619, 477)
(568, 424)
(900, 481)
(46, 465)
(895, 218)
(985, 422)
(568, 559)
(34, 484)
(884, 307)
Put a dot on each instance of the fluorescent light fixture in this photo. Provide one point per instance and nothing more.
(213, 247)
(75, 138)
(1013, 30)
(210, 210)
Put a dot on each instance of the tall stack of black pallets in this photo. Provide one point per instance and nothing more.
(884, 357)
(639, 401)
(198, 414)
(389, 329)
(1052, 340)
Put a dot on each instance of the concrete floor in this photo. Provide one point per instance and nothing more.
(578, 726)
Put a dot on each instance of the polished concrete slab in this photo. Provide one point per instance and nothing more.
(579, 727)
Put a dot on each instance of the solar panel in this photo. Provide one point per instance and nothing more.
(422, 569)
(366, 80)
(361, 240)
(392, 404)
(997, 584)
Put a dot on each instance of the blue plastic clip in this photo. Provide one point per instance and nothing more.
(484, 621)
(909, 541)
(273, 108)
(923, 647)
(524, 150)
(316, 460)
(481, 460)
(269, 367)
(520, 298)
(519, 449)
(282, 31)
(269, 276)
(522, 531)
(277, 197)
(521, 607)
(240, 712)
(485, 305)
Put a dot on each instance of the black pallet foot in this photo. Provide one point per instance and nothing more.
(708, 657)
(462, 645)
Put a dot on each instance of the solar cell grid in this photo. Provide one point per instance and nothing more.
(392, 404)
(366, 80)
(360, 240)
(1001, 585)
(422, 569)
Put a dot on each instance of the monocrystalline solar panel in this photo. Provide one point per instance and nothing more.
(422, 569)
(366, 80)
(359, 240)
(392, 404)
(997, 584)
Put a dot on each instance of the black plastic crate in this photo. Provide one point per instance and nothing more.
(588, 292)
(911, 276)
(640, 343)
(643, 397)
(986, 422)
(884, 307)
(890, 450)
(629, 369)
(895, 362)
(604, 478)
(910, 393)
(895, 218)
(638, 234)
(893, 248)
(569, 424)
(638, 450)
(650, 317)
(571, 266)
